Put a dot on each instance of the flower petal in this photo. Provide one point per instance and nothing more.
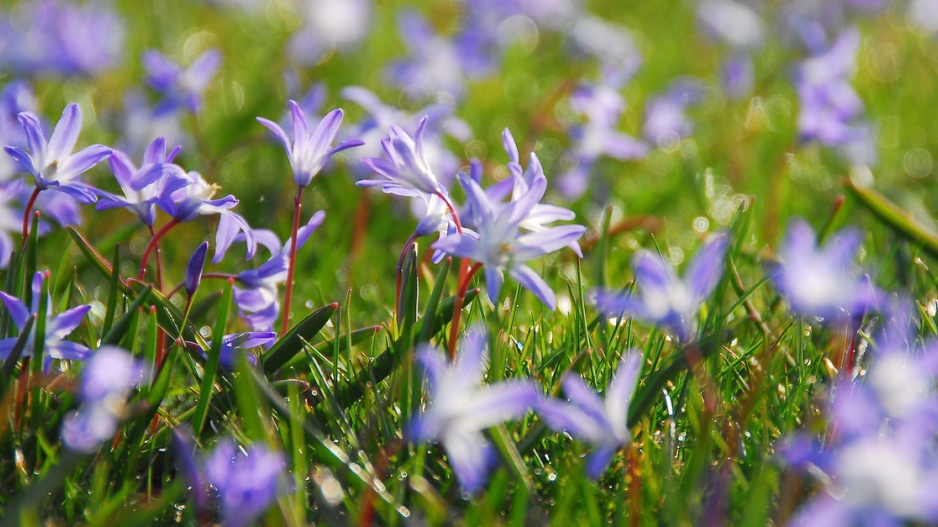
(65, 134)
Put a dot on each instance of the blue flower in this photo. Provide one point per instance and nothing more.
(601, 422)
(144, 187)
(407, 171)
(461, 408)
(194, 269)
(309, 151)
(820, 282)
(65, 38)
(194, 199)
(181, 88)
(257, 298)
(831, 110)
(247, 481)
(106, 379)
(500, 245)
(57, 328)
(52, 163)
(664, 297)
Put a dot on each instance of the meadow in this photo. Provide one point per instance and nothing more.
(468, 262)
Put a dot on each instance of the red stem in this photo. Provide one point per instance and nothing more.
(150, 246)
(465, 277)
(26, 213)
(159, 263)
(298, 205)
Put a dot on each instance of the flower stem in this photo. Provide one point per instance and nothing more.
(26, 213)
(159, 262)
(465, 277)
(152, 244)
(297, 206)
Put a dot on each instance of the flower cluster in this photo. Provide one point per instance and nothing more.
(460, 409)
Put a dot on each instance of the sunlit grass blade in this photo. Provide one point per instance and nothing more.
(291, 344)
(211, 366)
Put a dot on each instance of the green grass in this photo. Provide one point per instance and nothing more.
(336, 400)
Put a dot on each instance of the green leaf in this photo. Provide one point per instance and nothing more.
(211, 367)
(894, 216)
(292, 343)
(126, 321)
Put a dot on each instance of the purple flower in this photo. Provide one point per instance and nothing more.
(52, 164)
(180, 87)
(144, 187)
(247, 481)
(109, 374)
(435, 65)
(57, 328)
(831, 111)
(236, 344)
(819, 282)
(500, 246)
(600, 422)
(381, 117)
(460, 408)
(602, 106)
(309, 151)
(194, 269)
(666, 121)
(188, 202)
(55, 37)
(665, 298)
(407, 171)
(873, 471)
(16, 97)
(257, 298)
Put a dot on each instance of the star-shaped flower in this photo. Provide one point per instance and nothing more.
(601, 422)
(52, 163)
(309, 151)
(665, 298)
(500, 245)
(820, 281)
(57, 328)
(461, 408)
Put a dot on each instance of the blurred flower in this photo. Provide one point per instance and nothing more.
(257, 298)
(320, 34)
(831, 111)
(180, 87)
(500, 246)
(435, 66)
(666, 122)
(732, 22)
(65, 38)
(602, 105)
(309, 151)
(57, 328)
(238, 343)
(819, 282)
(738, 75)
(461, 408)
(109, 374)
(665, 298)
(52, 164)
(15, 98)
(139, 122)
(873, 471)
(602, 423)
(247, 481)
(143, 187)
